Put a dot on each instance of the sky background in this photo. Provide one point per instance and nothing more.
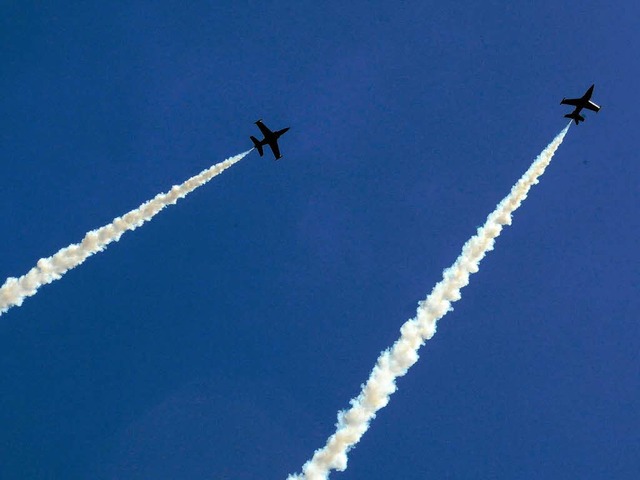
(220, 340)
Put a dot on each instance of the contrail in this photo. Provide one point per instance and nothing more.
(15, 290)
(396, 361)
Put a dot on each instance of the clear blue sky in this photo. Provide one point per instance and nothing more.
(220, 340)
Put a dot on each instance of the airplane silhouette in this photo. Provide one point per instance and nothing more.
(270, 138)
(580, 103)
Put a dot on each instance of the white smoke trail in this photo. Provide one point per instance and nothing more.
(396, 361)
(15, 290)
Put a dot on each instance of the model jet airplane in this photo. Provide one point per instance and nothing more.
(580, 103)
(270, 138)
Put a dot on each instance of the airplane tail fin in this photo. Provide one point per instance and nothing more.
(257, 145)
(574, 116)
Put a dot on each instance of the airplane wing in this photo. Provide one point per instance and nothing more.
(275, 149)
(571, 101)
(592, 106)
(265, 131)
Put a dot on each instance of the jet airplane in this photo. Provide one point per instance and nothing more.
(580, 103)
(270, 138)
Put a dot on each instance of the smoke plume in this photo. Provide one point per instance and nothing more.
(396, 361)
(15, 290)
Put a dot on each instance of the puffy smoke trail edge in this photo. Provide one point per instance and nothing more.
(396, 361)
(15, 290)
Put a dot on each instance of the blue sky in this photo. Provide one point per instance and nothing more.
(220, 340)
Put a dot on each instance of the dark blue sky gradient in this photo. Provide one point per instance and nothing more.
(220, 340)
